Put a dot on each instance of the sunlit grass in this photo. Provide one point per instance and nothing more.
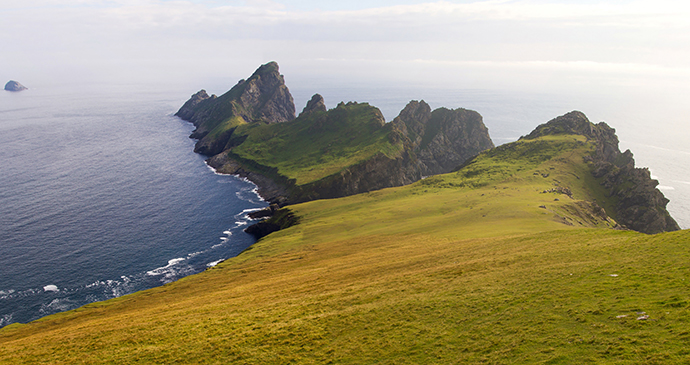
(465, 267)
(317, 145)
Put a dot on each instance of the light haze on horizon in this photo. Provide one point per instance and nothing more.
(477, 44)
(625, 62)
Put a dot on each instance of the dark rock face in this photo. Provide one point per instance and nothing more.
(373, 174)
(316, 104)
(432, 142)
(263, 98)
(442, 139)
(14, 86)
(640, 206)
(188, 109)
(281, 219)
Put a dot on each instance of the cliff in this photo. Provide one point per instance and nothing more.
(636, 202)
(435, 136)
(251, 131)
(262, 98)
(506, 260)
(14, 86)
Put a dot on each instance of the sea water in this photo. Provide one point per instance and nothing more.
(101, 194)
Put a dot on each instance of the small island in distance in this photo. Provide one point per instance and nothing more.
(414, 241)
(14, 86)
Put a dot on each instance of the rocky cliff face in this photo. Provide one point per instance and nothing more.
(315, 104)
(639, 206)
(443, 139)
(419, 142)
(262, 98)
(14, 86)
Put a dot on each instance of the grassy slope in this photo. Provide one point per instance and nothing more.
(459, 268)
(317, 145)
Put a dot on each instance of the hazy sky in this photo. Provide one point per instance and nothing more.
(496, 43)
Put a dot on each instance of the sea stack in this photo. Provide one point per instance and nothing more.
(14, 86)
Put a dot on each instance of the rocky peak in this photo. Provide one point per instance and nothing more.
(262, 98)
(577, 123)
(266, 93)
(639, 206)
(315, 104)
(14, 86)
(415, 116)
(187, 110)
(442, 139)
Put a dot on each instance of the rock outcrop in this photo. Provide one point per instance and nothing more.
(444, 138)
(417, 143)
(315, 104)
(14, 86)
(639, 205)
(262, 98)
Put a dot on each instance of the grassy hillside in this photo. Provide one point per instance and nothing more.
(316, 145)
(493, 263)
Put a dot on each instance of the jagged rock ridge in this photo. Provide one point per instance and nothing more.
(419, 142)
(315, 104)
(639, 205)
(434, 136)
(262, 98)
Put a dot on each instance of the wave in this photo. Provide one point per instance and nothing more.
(51, 287)
(214, 263)
(162, 270)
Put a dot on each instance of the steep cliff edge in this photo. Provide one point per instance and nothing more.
(262, 98)
(434, 135)
(251, 131)
(637, 203)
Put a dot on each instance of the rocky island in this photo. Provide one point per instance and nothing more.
(14, 86)
(551, 249)
(252, 131)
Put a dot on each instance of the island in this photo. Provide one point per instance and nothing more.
(14, 86)
(413, 241)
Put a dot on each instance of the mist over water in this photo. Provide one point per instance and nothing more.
(101, 194)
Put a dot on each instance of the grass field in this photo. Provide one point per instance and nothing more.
(494, 263)
(319, 144)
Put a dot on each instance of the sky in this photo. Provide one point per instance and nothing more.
(506, 44)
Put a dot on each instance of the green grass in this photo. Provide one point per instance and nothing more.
(317, 145)
(459, 268)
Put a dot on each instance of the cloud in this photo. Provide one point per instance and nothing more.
(156, 36)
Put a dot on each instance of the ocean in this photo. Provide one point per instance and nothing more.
(101, 194)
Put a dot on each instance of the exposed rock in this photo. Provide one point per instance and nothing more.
(424, 142)
(316, 104)
(14, 86)
(264, 213)
(443, 139)
(639, 205)
(373, 174)
(270, 190)
(281, 219)
(188, 109)
(263, 98)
